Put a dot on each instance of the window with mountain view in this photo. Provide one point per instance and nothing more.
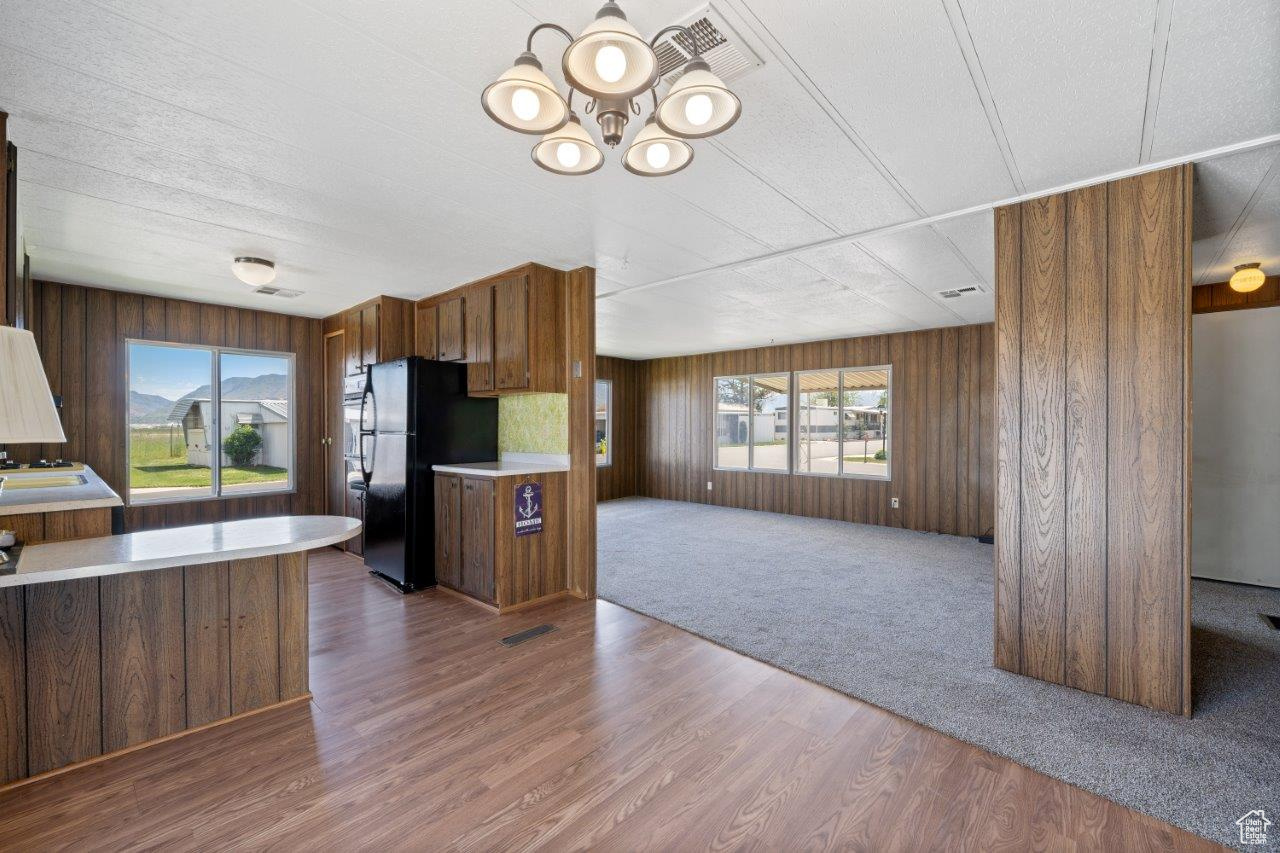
(205, 422)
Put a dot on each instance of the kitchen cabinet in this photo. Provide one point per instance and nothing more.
(369, 335)
(479, 331)
(477, 538)
(448, 545)
(477, 550)
(378, 330)
(425, 341)
(511, 333)
(450, 333)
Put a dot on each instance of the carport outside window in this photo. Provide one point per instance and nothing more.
(752, 429)
(842, 422)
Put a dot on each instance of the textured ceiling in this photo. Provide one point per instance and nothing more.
(159, 139)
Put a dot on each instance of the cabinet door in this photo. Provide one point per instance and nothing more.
(477, 538)
(369, 335)
(449, 330)
(449, 530)
(355, 509)
(425, 342)
(351, 343)
(479, 309)
(511, 333)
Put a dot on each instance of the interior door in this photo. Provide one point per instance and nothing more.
(335, 469)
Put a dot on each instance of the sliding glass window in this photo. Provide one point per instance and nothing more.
(752, 424)
(843, 421)
(205, 422)
(604, 422)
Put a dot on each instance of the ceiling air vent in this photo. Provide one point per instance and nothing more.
(282, 292)
(957, 292)
(720, 45)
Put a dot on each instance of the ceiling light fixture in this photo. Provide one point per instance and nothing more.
(1248, 278)
(612, 65)
(254, 272)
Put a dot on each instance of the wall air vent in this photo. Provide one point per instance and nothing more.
(282, 292)
(958, 292)
(724, 50)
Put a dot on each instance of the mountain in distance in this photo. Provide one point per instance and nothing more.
(154, 409)
(149, 408)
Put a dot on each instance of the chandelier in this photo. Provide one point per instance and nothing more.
(612, 66)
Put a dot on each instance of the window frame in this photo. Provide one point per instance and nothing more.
(607, 460)
(888, 437)
(215, 382)
(751, 422)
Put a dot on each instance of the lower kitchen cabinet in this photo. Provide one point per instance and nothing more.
(478, 552)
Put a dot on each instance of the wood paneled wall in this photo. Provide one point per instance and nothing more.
(1092, 327)
(620, 478)
(941, 432)
(81, 333)
(1208, 298)
(7, 272)
(94, 666)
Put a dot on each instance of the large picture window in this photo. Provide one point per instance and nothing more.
(604, 422)
(752, 427)
(207, 422)
(842, 422)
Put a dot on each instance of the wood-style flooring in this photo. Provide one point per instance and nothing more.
(615, 731)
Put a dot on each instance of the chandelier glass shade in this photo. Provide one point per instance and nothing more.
(1248, 278)
(612, 65)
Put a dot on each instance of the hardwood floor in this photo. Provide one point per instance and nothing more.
(615, 731)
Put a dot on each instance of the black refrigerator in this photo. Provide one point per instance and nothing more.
(415, 414)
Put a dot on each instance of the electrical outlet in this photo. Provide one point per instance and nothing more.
(893, 503)
(708, 485)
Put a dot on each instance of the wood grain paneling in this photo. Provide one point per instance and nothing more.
(143, 660)
(207, 624)
(81, 333)
(255, 634)
(1085, 664)
(675, 445)
(1092, 322)
(13, 686)
(579, 371)
(536, 562)
(6, 286)
(1147, 437)
(1044, 474)
(1209, 298)
(426, 343)
(64, 686)
(511, 333)
(291, 573)
(618, 479)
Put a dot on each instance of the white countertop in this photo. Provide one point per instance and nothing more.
(92, 494)
(505, 468)
(150, 550)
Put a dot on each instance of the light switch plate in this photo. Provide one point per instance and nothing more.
(708, 485)
(577, 370)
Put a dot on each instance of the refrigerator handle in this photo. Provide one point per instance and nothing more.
(366, 472)
(365, 399)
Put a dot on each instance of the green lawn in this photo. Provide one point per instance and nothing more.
(158, 460)
(864, 459)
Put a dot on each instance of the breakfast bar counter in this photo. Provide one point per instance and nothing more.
(107, 643)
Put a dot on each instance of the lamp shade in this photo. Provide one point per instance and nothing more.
(524, 99)
(1248, 278)
(569, 150)
(609, 59)
(654, 152)
(27, 413)
(699, 104)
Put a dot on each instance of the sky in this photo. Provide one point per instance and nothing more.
(173, 371)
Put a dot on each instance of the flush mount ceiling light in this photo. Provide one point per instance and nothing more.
(1248, 278)
(612, 65)
(254, 272)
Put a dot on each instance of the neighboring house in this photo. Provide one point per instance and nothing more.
(820, 421)
(269, 417)
(731, 425)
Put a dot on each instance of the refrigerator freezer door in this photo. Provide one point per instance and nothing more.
(386, 515)
(388, 397)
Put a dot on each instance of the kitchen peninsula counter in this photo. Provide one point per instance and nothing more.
(109, 642)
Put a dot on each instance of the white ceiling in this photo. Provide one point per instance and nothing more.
(161, 138)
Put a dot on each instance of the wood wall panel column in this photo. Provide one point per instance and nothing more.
(207, 599)
(64, 686)
(1092, 326)
(255, 634)
(580, 307)
(13, 687)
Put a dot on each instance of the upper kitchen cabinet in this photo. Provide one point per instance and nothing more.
(381, 329)
(508, 328)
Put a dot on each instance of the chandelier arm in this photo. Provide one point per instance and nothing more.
(528, 45)
(680, 28)
(654, 92)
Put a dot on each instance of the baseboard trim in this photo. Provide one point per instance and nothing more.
(146, 744)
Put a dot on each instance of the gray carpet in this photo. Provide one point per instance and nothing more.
(903, 620)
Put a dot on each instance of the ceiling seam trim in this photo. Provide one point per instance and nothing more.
(1160, 30)
(1247, 211)
(1142, 169)
(762, 32)
(978, 76)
